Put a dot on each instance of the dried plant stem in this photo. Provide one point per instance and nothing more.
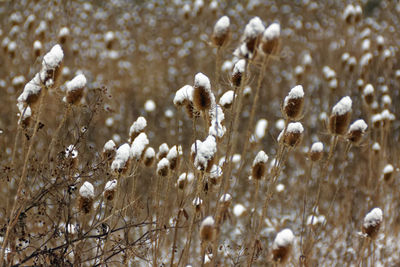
(55, 135)
(253, 112)
(231, 146)
(303, 226)
(175, 238)
(21, 181)
(203, 253)
(255, 199)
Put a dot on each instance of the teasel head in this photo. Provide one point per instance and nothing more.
(221, 33)
(109, 150)
(137, 127)
(377, 120)
(51, 67)
(163, 167)
(238, 72)
(37, 48)
(149, 156)
(388, 173)
(252, 34)
(163, 150)
(198, 204)
(282, 246)
(259, 165)
(32, 90)
(207, 229)
(63, 35)
(293, 134)
(75, 89)
(372, 223)
(226, 99)
(368, 94)
(293, 104)
(109, 190)
(173, 157)
(340, 116)
(270, 40)
(204, 153)
(349, 14)
(121, 162)
(356, 131)
(226, 201)
(203, 98)
(316, 151)
(109, 38)
(86, 196)
(215, 175)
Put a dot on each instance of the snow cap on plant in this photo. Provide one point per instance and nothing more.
(293, 103)
(86, 195)
(372, 223)
(340, 116)
(220, 36)
(282, 246)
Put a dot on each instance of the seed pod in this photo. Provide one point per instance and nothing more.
(368, 94)
(197, 203)
(316, 151)
(86, 195)
(226, 99)
(51, 66)
(149, 156)
(340, 117)
(259, 165)
(63, 35)
(173, 157)
(356, 131)
(137, 127)
(207, 229)
(220, 36)
(163, 167)
(372, 223)
(163, 150)
(282, 246)
(37, 48)
(293, 135)
(238, 71)
(75, 89)
(270, 39)
(388, 173)
(109, 190)
(252, 33)
(121, 161)
(109, 150)
(293, 104)
(203, 98)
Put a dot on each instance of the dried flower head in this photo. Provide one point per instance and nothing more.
(316, 151)
(137, 127)
(368, 94)
(282, 246)
(356, 131)
(293, 104)
(372, 223)
(388, 173)
(340, 116)
(203, 98)
(207, 229)
(138, 147)
(293, 134)
(120, 163)
(109, 190)
(163, 167)
(238, 71)
(259, 165)
(51, 66)
(86, 195)
(109, 149)
(149, 156)
(75, 89)
(220, 36)
(270, 39)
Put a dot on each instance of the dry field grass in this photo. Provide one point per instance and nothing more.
(162, 133)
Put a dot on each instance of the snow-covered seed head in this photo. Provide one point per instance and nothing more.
(377, 120)
(358, 13)
(173, 157)
(203, 98)
(226, 99)
(372, 223)
(282, 246)
(349, 14)
(293, 104)
(316, 151)
(149, 156)
(340, 116)
(163, 150)
(137, 127)
(252, 32)
(37, 48)
(30, 94)
(270, 39)
(163, 167)
(109, 190)
(293, 135)
(204, 153)
(75, 89)
(51, 66)
(109, 38)
(109, 150)
(86, 195)
(121, 161)
(238, 71)
(388, 173)
(63, 35)
(183, 95)
(182, 181)
(368, 94)
(220, 36)
(356, 131)
(197, 203)
(138, 146)
(226, 200)
(259, 165)
(207, 229)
